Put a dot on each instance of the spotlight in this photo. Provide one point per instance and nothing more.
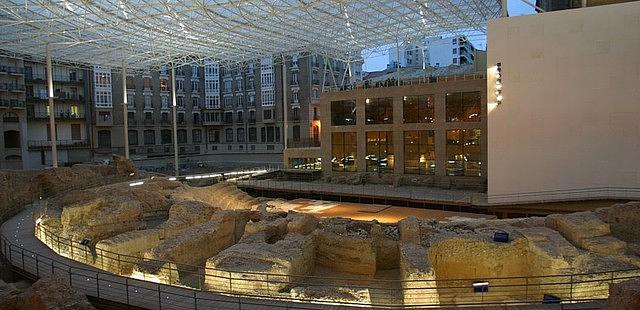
(499, 98)
(498, 84)
(501, 236)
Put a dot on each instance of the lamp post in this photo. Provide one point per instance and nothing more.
(125, 110)
(175, 125)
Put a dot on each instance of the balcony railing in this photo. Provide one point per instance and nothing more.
(12, 103)
(11, 87)
(61, 144)
(56, 78)
(11, 70)
(302, 143)
(57, 115)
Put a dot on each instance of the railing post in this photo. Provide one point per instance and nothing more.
(37, 269)
(52, 268)
(126, 286)
(571, 288)
(195, 300)
(159, 298)
(97, 284)
(70, 283)
(22, 252)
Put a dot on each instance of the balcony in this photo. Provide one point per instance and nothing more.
(303, 143)
(252, 120)
(148, 121)
(12, 87)
(12, 103)
(57, 78)
(38, 145)
(59, 115)
(11, 70)
(212, 123)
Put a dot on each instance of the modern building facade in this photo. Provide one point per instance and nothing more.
(434, 52)
(568, 124)
(425, 133)
(556, 5)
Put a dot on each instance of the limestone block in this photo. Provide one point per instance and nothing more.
(119, 254)
(301, 223)
(194, 245)
(386, 243)
(98, 219)
(577, 226)
(625, 221)
(606, 245)
(418, 276)
(272, 230)
(261, 268)
(157, 271)
(346, 253)
(409, 230)
(350, 295)
(624, 295)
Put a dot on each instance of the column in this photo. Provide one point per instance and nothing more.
(503, 9)
(285, 105)
(175, 124)
(125, 110)
(52, 119)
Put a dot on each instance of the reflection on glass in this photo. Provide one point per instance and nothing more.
(379, 110)
(419, 152)
(463, 107)
(343, 112)
(463, 152)
(344, 151)
(380, 156)
(306, 163)
(418, 109)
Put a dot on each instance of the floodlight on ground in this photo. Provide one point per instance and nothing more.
(480, 286)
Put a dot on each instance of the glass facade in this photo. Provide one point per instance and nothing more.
(343, 112)
(305, 163)
(419, 152)
(464, 157)
(344, 148)
(418, 109)
(378, 110)
(380, 156)
(463, 107)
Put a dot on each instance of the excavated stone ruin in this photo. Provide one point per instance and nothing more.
(221, 239)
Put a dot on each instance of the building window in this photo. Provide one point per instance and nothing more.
(12, 139)
(296, 114)
(165, 117)
(147, 116)
(179, 85)
(165, 136)
(240, 133)
(214, 135)
(419, 152)
(263, 135)
(163, 85)
(196, 136)
(194, 86)
(133, 137)
(149, 137)
(147, 102)
(378, 110)
(343, 112)
(228, 135)
(180, 118)
(253, 134)
(76, 132)
(228, 117)
(196, 118)
(296, 133)
(455, 61)
(180, 102)
(182, 136)
(454, 51)
(194, 102)
(104, 139)
(380, 151)
(418, 109)
(270, 134)
(240, 117)
(463, 152)
(344, 148)
(463, 107)
(266, 114)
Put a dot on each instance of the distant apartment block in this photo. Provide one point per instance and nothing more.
(436, 52)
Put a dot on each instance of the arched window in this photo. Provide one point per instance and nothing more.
(165, 136)
(149, 137)
(240, 134)
(196, 135)
(228, 135)
(182, 136)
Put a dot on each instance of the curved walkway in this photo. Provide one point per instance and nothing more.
(21, 248)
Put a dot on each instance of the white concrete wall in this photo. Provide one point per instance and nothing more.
(569, 124)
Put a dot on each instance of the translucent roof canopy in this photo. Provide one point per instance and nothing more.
(149, 33)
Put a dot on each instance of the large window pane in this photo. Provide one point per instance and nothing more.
(344, 147)
(418, 109)
(380, 151)
(343, 112)
(419, 152)
(463, 152)
(463, 107)
(379, 110)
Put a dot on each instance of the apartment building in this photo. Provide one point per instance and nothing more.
(436, 52)
(221, 109)
(70, 110)
(13, 121)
